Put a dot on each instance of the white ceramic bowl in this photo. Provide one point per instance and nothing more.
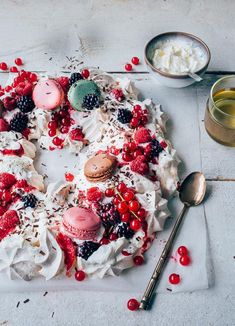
(172, 80)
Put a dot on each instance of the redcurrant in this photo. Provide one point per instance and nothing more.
(122, 207)
(125, 217)
(174, 278)
(133, 304)
(182, 250)
(135, 225)
(80, 276)
(109, 192)
(135, 60)
(121, 187)
(128, 195)
(185, 260)
(138, 260)
(128, 67)
(134, 205)
(18, 61)
(85, 73)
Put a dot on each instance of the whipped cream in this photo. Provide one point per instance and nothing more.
(178, 57)
(33, 250)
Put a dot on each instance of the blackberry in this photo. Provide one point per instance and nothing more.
(75, 76)
(156, 148)
(86, 249)
(90, 101)
(25, 104)
(29, 200)
(19, 122)
(124, 116)
(123, 230)
(109, 215)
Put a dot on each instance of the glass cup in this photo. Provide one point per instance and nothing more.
(220, 111)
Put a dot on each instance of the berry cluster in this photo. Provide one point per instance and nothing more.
(122, 216)
(131, 214)
(136, 118)
(61, 121)
(135, 61)
(140, 151)
(184, 260)
(20, 92)
(184, 256)
(11, 190)
(4, 66)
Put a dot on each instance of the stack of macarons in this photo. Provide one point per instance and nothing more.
(100, 167)
(81, 223)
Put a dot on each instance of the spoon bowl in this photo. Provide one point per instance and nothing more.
(193, 189)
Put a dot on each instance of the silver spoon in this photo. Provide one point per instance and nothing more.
(192, 193)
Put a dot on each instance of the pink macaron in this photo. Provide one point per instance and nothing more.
(81, 223)
(48, 94)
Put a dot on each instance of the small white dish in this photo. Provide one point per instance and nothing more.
(173, 80)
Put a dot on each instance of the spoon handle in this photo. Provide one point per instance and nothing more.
(148, 294)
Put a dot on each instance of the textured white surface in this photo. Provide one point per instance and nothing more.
(111, 32)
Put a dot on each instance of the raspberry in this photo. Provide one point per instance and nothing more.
(6, 180)
(76, 134)
(142, 135)
(163, 144)
(2, 210)
(118, 94)
(4, 126)
(9, 103)
(64, 83)
(139, 165)
(27, 89)
(94, 194)
(8, 223)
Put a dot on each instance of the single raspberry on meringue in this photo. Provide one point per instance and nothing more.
(139, 165)
(142, 135)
